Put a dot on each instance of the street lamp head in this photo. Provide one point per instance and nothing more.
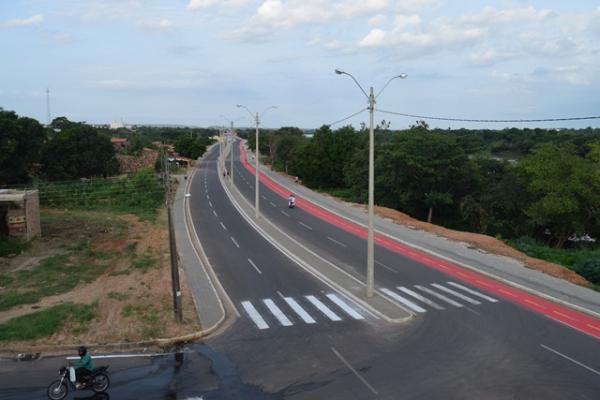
(238, 105)
(402, 76)
(339, 71)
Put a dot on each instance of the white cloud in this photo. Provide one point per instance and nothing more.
(373, 38)
(489, 57)
(33, 20)
(194, 5)
(405, 21)
(159, 25)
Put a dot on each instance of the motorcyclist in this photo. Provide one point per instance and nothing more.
(83, 367)
(292, 200)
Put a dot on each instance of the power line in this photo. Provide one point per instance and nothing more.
(488, 120)
(347, 118)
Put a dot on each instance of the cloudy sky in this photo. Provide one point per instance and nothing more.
(190, 61)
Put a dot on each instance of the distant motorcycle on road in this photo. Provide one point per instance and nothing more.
(97, 381)
(291, 201)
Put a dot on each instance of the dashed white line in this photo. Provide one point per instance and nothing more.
(306, 226)
(216, 215)
(234, 242)
(273, 204)
(284, 213)
(570, 359)
(210, 203)
(386, 267)
(254, 265)
(223, 226)
(336, 242)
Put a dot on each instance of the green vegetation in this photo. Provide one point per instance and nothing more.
(47, 322)
(10, 246)
(118, 296)
(144, 262)
(192, 146)
(148, 315)
(54, 275)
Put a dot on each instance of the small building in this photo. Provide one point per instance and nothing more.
(119, 143)
(20, 213)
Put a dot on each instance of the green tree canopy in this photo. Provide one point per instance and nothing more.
(78, 151)
(21, 139)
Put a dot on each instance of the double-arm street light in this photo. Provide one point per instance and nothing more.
(231, 174)
(370, 241)
(256, 119)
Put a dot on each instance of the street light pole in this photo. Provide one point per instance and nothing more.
(231, 174)
(371, 206)
(257, 156)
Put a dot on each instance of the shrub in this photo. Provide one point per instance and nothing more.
(589, 269)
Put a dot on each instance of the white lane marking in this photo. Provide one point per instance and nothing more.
(473, 292)
(254, 265)
(570, 359)
(473, 311)
(336, 242)
(344, 306)
(306, 226)
(299, 310)
(419, 297)
(284, 213)
(363, 380)
(254, 315)
(263, 197)
(223, 226)
(208, 197)
(455, 293)
(234, 242)
(277, 313)
(404, 301)
(273, 204)
(386, 267)
(210, 203)
(439, 296)
(323, 308)
(216, 215)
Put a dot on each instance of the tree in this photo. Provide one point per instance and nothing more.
(564, 190)
(21, 139)
(78, 151)
(191, 147)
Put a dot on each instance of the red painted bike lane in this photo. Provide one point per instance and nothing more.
(565, 315)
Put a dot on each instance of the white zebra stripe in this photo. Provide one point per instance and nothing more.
(277, 313)
(323, 308)
(439, 296)
(473, 292)
(455, 293)
(299, 310)
(421, 298)
(344, 306)
(406, 302)
(254, 315)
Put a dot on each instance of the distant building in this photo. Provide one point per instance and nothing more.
(119, 143)
(20, 213)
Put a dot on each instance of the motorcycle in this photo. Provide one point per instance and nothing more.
(97, 381)
(291, 204)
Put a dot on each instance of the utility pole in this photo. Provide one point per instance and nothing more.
(257, 174)
(176, 288)
(231, 174)
(48, 120)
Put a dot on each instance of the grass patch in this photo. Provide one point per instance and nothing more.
(54, 275)
(47, 322)
(118, 296)
(567, 257)
(10, 246)
(144, 263)
(148, 315)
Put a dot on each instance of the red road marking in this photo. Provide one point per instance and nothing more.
(574, 319)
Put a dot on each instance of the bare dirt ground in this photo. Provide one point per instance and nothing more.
(134, 291)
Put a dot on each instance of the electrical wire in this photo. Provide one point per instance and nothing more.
(347, 118)
(488, 120)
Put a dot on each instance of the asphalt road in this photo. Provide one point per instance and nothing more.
(490, 350)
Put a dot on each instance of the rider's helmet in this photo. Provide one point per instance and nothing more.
(82, 351)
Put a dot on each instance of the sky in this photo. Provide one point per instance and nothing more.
(192, 61)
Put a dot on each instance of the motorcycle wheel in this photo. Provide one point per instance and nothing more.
(100, 383)
(57, 390)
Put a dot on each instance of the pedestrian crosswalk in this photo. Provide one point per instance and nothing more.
(285, 311)
(436, 296)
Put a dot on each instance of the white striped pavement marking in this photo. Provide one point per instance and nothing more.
(473, 292)
(254, 315)
(439, 296)
(254, 265)
(421, 298)
(299, 310)
(234, 242)
(406, 302)
(344, 306)
(306, 226)
(223, 226)
(277, 313)
(455, 293)
(210, 203)
(284, 213)
(558, 353)
(323, 308)
(216, 215)
(335, 241)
